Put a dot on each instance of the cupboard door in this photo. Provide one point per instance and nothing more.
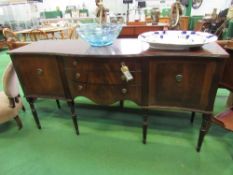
(186, 84)
(39, 75)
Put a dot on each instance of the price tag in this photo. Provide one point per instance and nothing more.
(126, 72)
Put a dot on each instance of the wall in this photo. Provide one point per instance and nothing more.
(117, 6)
(25, 12)
(208, 6)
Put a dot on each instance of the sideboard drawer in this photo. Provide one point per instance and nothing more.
(115, 66)
(79, 65)
(85, 64)
(76, 75)
(112, 77)
(108, 94)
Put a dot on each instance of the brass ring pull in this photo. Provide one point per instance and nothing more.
(80, 87)
(77, 75)
(39, 71)
(179, 78)
(75, 63)
(124, 91)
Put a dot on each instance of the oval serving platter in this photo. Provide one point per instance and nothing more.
(176, 39)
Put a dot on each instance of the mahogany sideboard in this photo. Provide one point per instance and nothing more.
(65, 69)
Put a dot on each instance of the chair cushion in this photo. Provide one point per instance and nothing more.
(6, 112)
(10, 81)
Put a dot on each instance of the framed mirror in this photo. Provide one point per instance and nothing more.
(196, 3)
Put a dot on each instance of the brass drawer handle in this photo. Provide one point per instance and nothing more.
(80, 87)
(179, 78)
(124, 91)
(39, 71)
(75, 63)
(77, 75)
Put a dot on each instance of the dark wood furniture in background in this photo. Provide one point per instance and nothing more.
(2, 39)
(225, 118)
(185, 80)
(132, 31)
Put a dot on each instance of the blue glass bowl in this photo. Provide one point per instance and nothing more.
(99, 34)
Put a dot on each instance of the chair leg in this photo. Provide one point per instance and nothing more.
(192, 117)
(58, 104)
(23, 108)
(19, 122)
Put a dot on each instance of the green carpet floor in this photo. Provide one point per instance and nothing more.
(110, 142)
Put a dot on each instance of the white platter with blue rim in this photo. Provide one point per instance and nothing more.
(176, 39)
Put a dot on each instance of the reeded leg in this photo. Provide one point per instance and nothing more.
(73, 115)
(144, 126)
(192, 117)
(19, 122)
(58, 104)
(206, 123)
(34, 113)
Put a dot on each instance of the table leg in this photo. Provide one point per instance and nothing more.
(34, 113)
(62, 35)
(144, 126)
(24, 37)
(53, 35)
(192, 117)
(121, 104)
(206, 123)
(73, 115)
(58, 104)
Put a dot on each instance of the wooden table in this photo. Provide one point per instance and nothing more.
(65, 69)
(48, 30)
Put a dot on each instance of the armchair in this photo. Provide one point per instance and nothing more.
(9, 97)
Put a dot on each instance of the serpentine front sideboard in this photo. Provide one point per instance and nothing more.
(186, 80)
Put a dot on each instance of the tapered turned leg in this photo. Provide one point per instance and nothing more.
(144, 126)
(58, 104)
(74, 116)
(19, 122)
(206, 123)
(192, 117)
(34, 113)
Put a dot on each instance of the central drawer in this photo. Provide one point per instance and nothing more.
(102, 72)
(107, 94)
(106, 65)
(102, 77)
(102, 81)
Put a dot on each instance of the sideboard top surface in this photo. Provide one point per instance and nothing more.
(121, 47)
